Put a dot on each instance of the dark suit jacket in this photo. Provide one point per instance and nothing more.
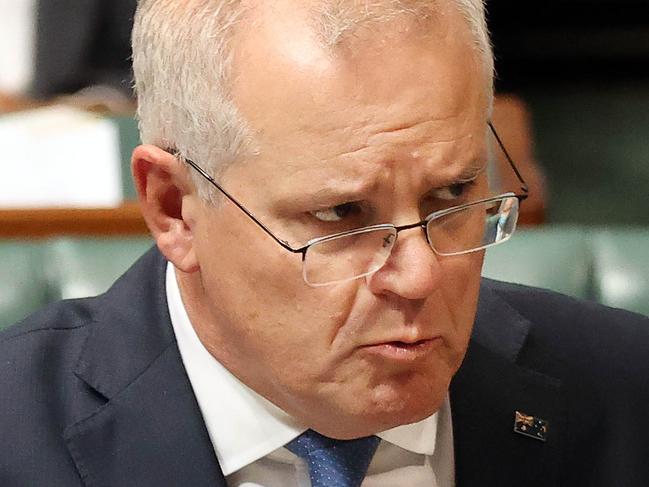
(93, 392)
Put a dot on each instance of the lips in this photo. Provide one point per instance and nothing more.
(407, 345)
(405, 341)
(404, 350)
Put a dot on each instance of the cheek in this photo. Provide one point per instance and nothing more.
(264, 308)
(461, 289)
(461, 281)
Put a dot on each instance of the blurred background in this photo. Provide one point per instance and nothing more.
(572, 107)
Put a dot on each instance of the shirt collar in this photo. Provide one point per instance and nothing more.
(244, 426)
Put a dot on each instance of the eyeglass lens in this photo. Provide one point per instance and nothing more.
(349, 256)
(357, 254)
(474, 227)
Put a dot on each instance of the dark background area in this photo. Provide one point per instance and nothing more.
(583, 68)
(568, 41)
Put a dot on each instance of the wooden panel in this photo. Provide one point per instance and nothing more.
(39, 223)
(12, 103)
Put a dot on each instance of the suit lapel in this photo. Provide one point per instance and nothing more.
(147, 429)
(485, 394)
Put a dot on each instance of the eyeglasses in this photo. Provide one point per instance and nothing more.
(358, 253)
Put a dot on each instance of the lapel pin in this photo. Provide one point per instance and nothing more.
(531, 426)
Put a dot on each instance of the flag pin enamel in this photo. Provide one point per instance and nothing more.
(531, 426)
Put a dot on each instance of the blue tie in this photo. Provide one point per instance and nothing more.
(335, 463)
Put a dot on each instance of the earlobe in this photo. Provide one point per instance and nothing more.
(176, 244)
(163, 187)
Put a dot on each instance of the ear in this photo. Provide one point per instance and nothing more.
(163, 186)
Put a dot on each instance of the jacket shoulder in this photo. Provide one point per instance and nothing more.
(598, 354)
(42, 388)
(37, 387)
(579, 338)
(537, 303)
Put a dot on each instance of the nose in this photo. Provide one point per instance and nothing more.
(411, 272)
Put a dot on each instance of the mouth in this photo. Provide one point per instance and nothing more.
(404, 351)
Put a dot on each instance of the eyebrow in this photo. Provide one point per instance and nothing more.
(470, 173)
(341, 191)
(332, 194)
(465, 174)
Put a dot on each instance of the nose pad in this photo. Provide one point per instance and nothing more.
(388, 240)
(412, 269)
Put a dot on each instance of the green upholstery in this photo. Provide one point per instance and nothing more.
(86, 267)
(555, 258)
(621, 270)
(610, 266)
(23, 285)
(129, 138)
(35, 273)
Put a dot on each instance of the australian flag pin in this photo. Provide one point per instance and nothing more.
(531, 426)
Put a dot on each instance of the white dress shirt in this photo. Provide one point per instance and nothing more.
(248, 432)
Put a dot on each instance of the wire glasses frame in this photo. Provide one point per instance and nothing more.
(389, 232)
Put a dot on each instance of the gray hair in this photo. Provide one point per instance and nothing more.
(182, 60)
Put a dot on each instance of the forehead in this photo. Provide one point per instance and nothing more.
(402, 85)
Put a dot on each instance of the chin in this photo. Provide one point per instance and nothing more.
(379, 421)
(391, 407)
(377, 409)
(369, 405)
(413, 411)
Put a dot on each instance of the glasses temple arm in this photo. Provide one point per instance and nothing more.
(239, 205)
(524, 186)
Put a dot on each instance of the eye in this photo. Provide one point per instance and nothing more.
(337, 213)
(452, 192)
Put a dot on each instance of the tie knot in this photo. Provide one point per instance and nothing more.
(335, 463)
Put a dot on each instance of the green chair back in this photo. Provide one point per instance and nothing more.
(621, 270)
(557, 258)
(87, 267)
(23, 285)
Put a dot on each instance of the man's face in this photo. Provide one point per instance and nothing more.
(386, 128)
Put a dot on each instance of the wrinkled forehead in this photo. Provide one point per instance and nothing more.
(405, 98)
(286, 74)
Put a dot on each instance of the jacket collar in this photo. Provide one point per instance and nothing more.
(147, 429)
(486, 393)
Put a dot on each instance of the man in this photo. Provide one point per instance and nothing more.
(313, 174)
